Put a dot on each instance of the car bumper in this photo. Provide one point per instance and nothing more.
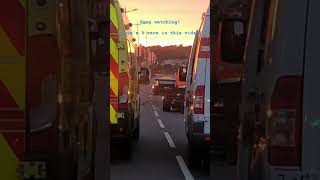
(177, 103)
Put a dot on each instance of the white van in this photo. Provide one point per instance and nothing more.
(280, 117)
(197, 102)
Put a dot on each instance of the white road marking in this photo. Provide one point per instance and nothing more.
(187, 174)
(153, 107)
(156, 113)
(161, 124)
(170, 141)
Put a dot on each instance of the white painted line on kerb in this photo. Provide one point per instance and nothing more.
(170, 141)
(156, 113)
(161, 124)
(187, 174)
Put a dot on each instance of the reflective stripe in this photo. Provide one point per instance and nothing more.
(12, 19)
(7, 48)
(204, 55)
(205, 48)
(113, 115)
(11, 120)
(23, 3)
(114, 60)
(12, 131)
(12, 86)
(114, 68)
(9, 161)
(12, 77)
(275, 17)
(113, 84)
(205, 42)
(12, 125)
(114, 50)
(113, 16)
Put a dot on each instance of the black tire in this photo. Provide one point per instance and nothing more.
(127, 149)
(136, 131)
(231, 158)
(206, 164)
(193, 158)
(75, 172)
(94, 148)
(165, 108)
(75, 164)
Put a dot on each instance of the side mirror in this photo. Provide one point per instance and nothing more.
(144, 76)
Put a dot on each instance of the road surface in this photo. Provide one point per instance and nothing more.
(160, 153)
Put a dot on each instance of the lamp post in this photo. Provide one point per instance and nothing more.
(139, 55)
(125, 10)
(138, 36)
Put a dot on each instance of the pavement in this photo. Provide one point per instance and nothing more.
(160, 153)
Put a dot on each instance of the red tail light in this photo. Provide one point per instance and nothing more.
(123, 91)
(198, 100)
(204, 48)
(285, 122)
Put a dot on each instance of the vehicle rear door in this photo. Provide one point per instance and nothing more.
(12, 87)
(311, 94)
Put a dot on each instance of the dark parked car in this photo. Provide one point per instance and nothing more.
(173, 99)
(163, 84)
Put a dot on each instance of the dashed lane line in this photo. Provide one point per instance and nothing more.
(156, 113)
(184, 168)
(161, 124)
(169, 139)
(187, 174)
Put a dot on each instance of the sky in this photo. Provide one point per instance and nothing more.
(184, 16)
